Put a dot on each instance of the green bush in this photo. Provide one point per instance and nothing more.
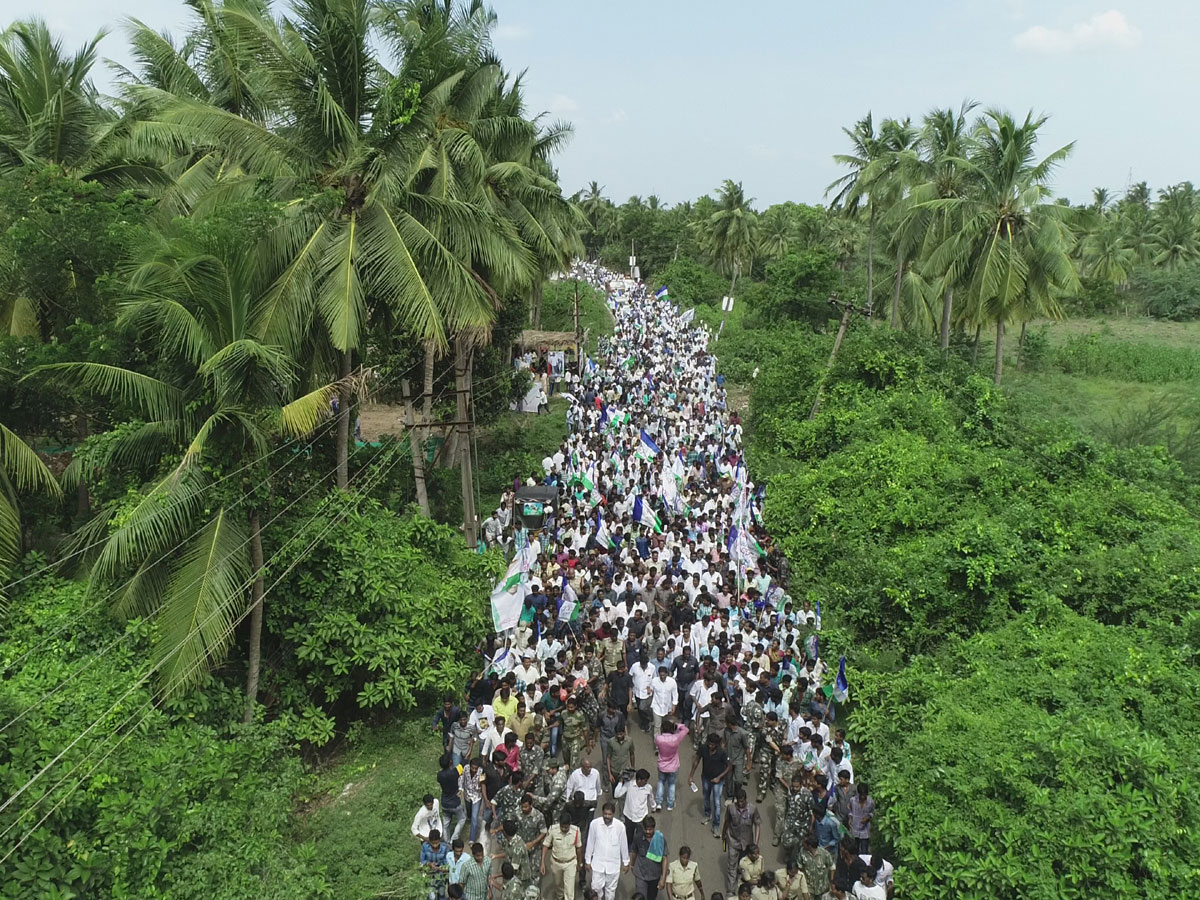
(383, 616)
(1169, 293)
(690, 283)
(923, 507)
(1053, 758)
(168, 802)
(1104, 356)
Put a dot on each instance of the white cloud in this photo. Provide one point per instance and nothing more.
(512, 32)
(1106, 29)
(561, 105)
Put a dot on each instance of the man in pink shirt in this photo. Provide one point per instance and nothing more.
(667, 743)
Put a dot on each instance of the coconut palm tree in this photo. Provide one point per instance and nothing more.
(731, 231)
(776, 233)
(936, 170)
(1012, 251)
(202, 296)
(50, 111)
(856, 189)
(21, 471)
(352, 133)
(1174, 239)
(1105, 253)
(889, 176)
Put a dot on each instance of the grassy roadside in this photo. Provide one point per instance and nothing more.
(357, 818)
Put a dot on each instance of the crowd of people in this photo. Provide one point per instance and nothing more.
(652, 601)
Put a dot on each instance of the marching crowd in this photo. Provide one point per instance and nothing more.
(652, 600)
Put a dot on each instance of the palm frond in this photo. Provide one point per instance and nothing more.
(201, 603)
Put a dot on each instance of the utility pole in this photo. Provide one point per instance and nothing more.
(418, 448)
(462, 380)
(578, 341)
(848, 310)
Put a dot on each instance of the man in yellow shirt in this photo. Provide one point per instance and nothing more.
(505, 702)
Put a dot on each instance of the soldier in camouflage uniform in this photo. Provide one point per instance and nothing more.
(508, 800)
(531, 826)
(552, 800)
(817, 863)
(753, 715)
(613, 652)
(589, 705)
(797, 818)
(787, 770)
(768, 752)
(514, 852)
(574, 732)
(533, 759)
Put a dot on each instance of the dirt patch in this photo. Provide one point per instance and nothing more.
(378, 419)
(737, 398)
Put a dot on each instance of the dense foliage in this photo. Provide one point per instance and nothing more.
(384, 614)
(1019, 600)
(169, 800)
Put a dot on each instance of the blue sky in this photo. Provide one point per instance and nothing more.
(671, 97)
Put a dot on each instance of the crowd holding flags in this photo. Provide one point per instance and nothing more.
(650, 432)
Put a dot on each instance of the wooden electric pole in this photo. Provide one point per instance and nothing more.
(418, 448)
(578, 342)
(848, 310)
(462, 384)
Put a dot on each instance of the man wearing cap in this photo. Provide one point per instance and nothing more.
(564, 849)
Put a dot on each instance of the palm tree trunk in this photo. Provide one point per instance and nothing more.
(837, 345)
(462, 384)
(947, 304)
(256, 616)
(733, 281)
(1021, 339)
(535, 307)
(343, 425)
(416, 447)
(999, 370)
(975, 346)
(82, 501)
(871, 262)
(896, 292)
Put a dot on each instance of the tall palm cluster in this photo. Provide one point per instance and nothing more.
(725, 231)
(1136, 230)
(408, 189)
(963, 209)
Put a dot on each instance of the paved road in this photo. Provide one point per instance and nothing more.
(683, 826)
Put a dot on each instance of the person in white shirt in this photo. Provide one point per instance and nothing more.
(866, 888)
(639, 801)
(607, 854)
(642, 673)
(884, 870)
(585, 779)
(481, 716)
(427, 819)
(664, 698)
(528, 672)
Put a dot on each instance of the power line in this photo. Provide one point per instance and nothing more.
(312, 439)
(209, 486)
(103, 650)
(146, 676)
